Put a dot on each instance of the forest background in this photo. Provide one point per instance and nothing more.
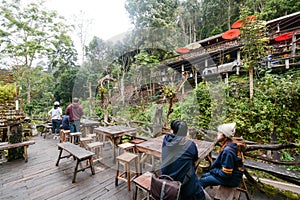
(36, 46)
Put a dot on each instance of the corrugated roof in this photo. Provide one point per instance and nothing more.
(283, 17)
(210, 38)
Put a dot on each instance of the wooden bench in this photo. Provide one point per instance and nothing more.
(220, 192)
(20, 144)
(78, 153)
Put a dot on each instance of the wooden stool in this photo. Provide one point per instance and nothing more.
(73, 135)
(63, 134)
(137, 141)
(142, 182)
(96, 147)
(226, 193)
(93, 136)
(126, 158)
(84, 141)
(104, 139)
(127, 147)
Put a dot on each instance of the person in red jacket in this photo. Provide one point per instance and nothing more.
(75, 112)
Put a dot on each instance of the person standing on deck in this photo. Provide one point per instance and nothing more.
(55, 117)
(75, 112)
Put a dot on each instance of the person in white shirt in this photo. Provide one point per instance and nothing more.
(55, 116)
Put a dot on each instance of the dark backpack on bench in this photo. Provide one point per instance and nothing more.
(164, 188)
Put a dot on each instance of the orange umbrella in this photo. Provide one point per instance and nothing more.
(231, 34)
(285, 36)
(182, 50)
(241, 22)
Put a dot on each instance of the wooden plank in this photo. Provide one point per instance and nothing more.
(15, 145)
(41, 179)
(75, 150)
(280, 172)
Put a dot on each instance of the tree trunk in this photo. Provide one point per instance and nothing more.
(228, 15)
(91, 99)
(251, 82)
(28, 91)
(123, 89)
(254, 147)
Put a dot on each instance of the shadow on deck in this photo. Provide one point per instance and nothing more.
(39, 178)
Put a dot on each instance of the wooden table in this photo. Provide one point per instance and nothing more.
(46, 128)
(153, 147)
(114, 133)
(88, 126)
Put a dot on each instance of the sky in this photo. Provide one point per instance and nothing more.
(106, 19)
(109, 17)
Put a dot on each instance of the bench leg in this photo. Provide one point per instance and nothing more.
(59, 156)
(134, 193)
(92, 165)
(25, 153)
(75, 171)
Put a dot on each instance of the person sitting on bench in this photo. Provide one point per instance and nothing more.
(228, 168)
(179, 155)
(65, 122)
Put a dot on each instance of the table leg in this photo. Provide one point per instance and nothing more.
(114, 145)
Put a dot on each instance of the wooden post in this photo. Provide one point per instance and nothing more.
(239, 60)
(91, 99)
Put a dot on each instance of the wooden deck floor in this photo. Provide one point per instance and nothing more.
(39, 178)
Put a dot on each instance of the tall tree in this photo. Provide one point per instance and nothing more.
(189, 18)
(272, 9)
(32, 36)
(82, 27)
(255, 48)
(155, 23)
(152, 13)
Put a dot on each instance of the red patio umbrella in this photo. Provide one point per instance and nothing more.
(231, 34)
(241, 22)
(182, 50)
(285, 36)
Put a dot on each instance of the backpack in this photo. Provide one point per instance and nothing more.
(163, 187)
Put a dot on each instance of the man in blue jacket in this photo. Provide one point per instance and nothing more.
(178, 158)
(65, 122)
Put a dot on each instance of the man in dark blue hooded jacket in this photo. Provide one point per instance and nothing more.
(178, 158)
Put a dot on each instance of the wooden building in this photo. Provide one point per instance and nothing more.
(215, 56)
(11, 115)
